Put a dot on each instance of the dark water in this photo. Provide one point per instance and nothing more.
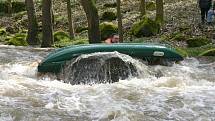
(184, 92)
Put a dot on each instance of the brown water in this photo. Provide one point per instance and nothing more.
(185, 92)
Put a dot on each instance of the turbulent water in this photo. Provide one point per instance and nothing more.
(183, 92)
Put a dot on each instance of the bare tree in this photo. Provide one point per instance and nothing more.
(70, 20)
(47, 28)
(143, 7)
(119, 16)
(159, 11)
(32, 37)
(93, 20)
(9, 7)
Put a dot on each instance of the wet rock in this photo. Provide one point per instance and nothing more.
(97, 69)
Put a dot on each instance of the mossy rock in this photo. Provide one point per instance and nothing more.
(109, 15)
(18, 40)
(210, 52)
(81, 29)
(107, 29)
(110, 5)
(150, 5)
(80, 41)
(198, 41)
(61, 36)
(145, 28)
(3, 31)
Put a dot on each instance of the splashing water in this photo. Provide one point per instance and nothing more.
(183, 92)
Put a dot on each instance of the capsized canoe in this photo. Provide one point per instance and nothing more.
(56, 60)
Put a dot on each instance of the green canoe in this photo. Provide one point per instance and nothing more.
(56, 60)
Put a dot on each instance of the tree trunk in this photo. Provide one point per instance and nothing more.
(143, 7)
(119, 16)
(9, 7)
(69, 12)
(47, 28)
(159, 11)
(93, 20)
(32, 37)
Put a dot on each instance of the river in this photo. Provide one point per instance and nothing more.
(184, 92)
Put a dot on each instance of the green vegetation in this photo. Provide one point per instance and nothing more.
(106, 29)
(109, 15)
(18, 40)
(145, 28)
(210, 52)
(110, 5)
(198, 41)
(178, 29)
(80, 29)
(196, 51)
(2, 31)
(62, 39)
(150, 5)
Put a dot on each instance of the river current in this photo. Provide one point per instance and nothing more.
(184, 92)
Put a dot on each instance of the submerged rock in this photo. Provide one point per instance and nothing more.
(106, 68)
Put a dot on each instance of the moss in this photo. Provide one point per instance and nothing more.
(198, 41)
(150, 6)
(110, 5)
(78, 41)
(61, 36)
(210, 52)
(109, 15)
(18, 40)
(3, 31)
(75, 41)
(145, 28)
(61, 39)
(106, 29)
(80, 29)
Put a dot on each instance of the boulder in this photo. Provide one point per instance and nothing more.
(145, 28)
(106, 29)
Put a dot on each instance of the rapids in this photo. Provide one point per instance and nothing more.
(183, 92)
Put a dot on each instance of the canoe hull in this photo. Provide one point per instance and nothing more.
(55, 61)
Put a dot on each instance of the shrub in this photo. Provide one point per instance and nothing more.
(108, 15)
(106, 29)
(197, 41)
(145, 28)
